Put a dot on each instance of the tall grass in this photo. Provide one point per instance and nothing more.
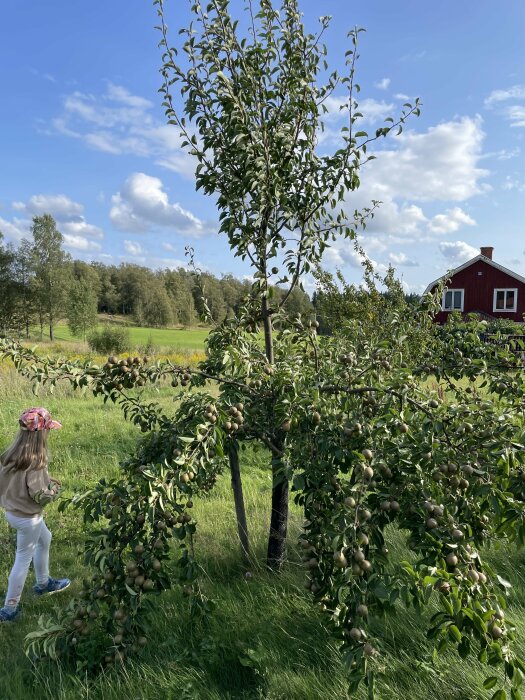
(263, 640)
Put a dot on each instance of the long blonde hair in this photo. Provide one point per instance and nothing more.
(29, 449)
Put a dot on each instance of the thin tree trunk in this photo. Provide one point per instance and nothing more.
(279, 516)
(242, 525)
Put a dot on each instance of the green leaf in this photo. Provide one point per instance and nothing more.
(499, 695)
(454, 633)
(490, 682)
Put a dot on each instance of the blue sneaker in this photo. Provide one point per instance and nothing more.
(7, 616)
(54, 585)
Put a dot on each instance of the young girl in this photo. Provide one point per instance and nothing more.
(25, 488)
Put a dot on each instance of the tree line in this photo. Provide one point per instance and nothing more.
(42, 285)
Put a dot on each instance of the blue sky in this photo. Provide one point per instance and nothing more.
(83, 135)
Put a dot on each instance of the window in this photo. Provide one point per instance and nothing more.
(505, 300)
(453, 300)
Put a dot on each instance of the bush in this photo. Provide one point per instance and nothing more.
(110, 339)
(149, 348)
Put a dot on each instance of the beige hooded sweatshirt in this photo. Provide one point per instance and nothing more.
(24, 493)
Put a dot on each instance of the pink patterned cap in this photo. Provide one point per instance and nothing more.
(33, 419)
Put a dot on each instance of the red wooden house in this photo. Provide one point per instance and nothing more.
(484, 287)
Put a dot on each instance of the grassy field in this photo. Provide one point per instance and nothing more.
(263, 641)
(186, 338)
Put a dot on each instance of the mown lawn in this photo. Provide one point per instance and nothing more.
(263, 640)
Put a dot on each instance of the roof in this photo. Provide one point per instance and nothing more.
(471, 262)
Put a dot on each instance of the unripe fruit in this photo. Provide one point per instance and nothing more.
(356, 569)
(452, 559)
(286, 425)
(473, 576)
(340, 560)
(316, 417)
(362, 610)
(394, 505)
(142, 641)
(350, 502)
(438, 511)
(366, 565)
(368, 473)
(156, 565)
(355, 634)
(117, 639)
(312, 563)
(431, 523)
(457, 534)
(139, 580)
(403, 428)
(385, 505)
(148, 585)
(359, 556)
(362, 539)
(368, 649)
(139, 549)
(495, 632)
(368, 454)
(482, 577)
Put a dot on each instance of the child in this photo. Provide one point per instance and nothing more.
(25, 488)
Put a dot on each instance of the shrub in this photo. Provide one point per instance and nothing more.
(110, 339)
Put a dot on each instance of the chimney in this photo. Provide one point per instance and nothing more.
(487, 251)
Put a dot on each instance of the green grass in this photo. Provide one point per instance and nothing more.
(183, 338)
(263, 640)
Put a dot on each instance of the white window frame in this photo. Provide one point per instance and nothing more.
(444, 297)
(505, 311)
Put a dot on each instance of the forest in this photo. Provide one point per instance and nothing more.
(42, 284)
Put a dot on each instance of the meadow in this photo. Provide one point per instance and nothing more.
(264, 640)
(175, 338)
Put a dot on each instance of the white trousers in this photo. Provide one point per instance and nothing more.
(32, 544)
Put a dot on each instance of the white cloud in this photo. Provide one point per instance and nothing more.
(512, 183)
(439, 164)
(450, 221)
(516, 92)
(14, 230)
(81, 228)
(372, 110)
(458, 252)
(514, 113)
(58, 205)
(402, 260)
(80, 243)
(169, 246)
(120, 123)
(78, 234)
(142, 205)
(133, 248)
(383, 84)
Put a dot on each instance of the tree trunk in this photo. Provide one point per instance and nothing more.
(51, 332)
(279, 518)
(242, 525)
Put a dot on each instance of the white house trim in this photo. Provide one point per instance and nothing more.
(452, 308)
(505, 311)
(468, 264)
